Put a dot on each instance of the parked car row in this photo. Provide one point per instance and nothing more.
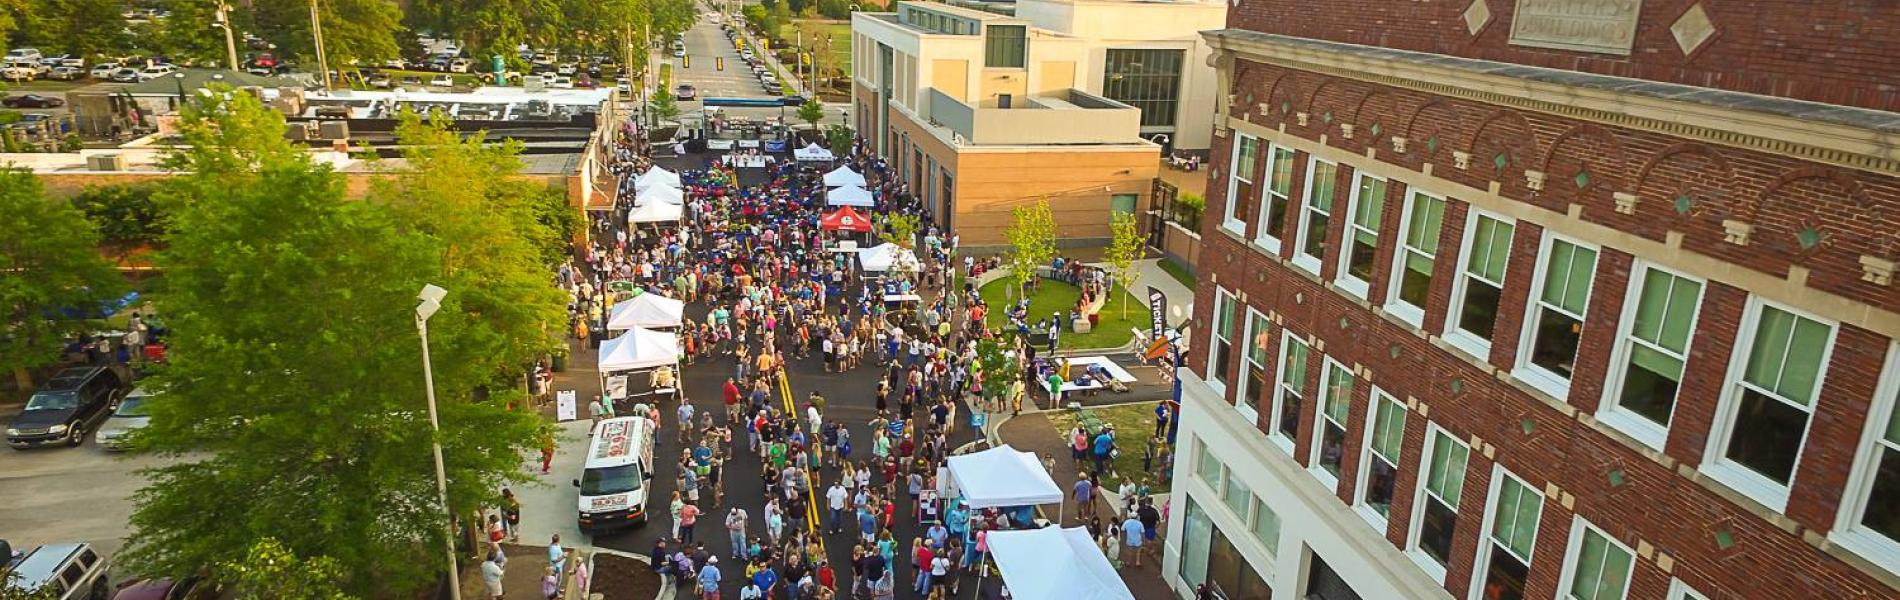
(76, 571)
(26, 64)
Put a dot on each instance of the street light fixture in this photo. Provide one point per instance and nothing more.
(431, 301)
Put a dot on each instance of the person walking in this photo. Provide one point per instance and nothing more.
(557, 556)
(1134, 533)
(1084, 497)
(511, 514)
(678, 504)
(689, 516)
(709, 579)
(837, 497)
(491, 576)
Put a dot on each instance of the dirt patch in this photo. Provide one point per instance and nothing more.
(622, 578)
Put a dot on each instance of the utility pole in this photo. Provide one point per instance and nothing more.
(230, 43)
(316, 32)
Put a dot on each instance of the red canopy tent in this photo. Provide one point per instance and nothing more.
(846, 219)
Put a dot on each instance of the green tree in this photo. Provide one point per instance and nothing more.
(839, 137)
(1126, 248)
(755, 15)
(1032, 241)
(353, 30)
(187, 33)
(49, 265)
(1187, 210)
(293, 402)
(10, 591)
(999, 368)
(269, 570)
(127, 215)
(811, 112)
(662, 104)
(900, 229)
(79, 27)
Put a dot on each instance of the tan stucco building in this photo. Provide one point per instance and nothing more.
(1066, 100)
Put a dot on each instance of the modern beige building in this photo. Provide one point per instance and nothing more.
(1071, 101)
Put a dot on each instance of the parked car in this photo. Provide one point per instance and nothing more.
(566, 69)
(133, 414)
(583, 82)
(685, 91)
(19, 71)
(190, 588)
(625, 87)
(65, 73)
(442, 81)
(32, 54)
(459, 65)
(31, 101)
(105, 70)
(63, 409)
(563, 82)
(394, 63)
(63, 60)
(126, 75)
(411, 80)
(156, 71)
(378, 80)
(71, 571)
(679, 52)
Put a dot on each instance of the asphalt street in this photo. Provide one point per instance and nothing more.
(705, 43)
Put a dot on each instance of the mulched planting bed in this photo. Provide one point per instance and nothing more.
(622, 578)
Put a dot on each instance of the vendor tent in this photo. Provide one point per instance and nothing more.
(657, 175)
(845, 219)
(1055, 563)
(888, 257)
(1001, 477)
(849, 195)
(641, 186)
(659, 194)
(843, 176)
(655, 212)
(812, 152)
(639, 348)
(646, 310)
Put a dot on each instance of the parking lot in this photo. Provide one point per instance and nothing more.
(61, 494)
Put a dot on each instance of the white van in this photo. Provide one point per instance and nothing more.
(613, 481)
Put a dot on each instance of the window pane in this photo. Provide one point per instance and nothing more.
(1491, 249)
(1275, 226)
(1616, 569)
(1649, 384)
(1415, 284)
(1315, 234)
(1371, 203)
(1684, 297)
(1389, 431)
(1504, 578)
(1282, 171)
(1195, 541)
(1207, 468)
(1237, 497)
(1479, 315)
(1325, 177)
(1266, 525)
(1448, 468)
(1567, 275)
(1146, 79)
(1332, 447)
(1883, 503)
(1767, 435)
(1225, 322)
(1772, 332)
(1802, 372)
(1364, 247)
(1587, 581)
(1248, 159)
(1257, 348)
(1554, 345)
(1428, 214)
(1293, 375)
(1380, 482)
(1436, 529)
(1338, 392)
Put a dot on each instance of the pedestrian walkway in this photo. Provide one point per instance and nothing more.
(1180, 297)
(1033, 433)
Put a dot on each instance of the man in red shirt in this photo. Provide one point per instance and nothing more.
(732, 401)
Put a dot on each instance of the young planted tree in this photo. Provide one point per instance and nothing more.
(1125, 249)
(1032, 241)
(811, 112)
(900, 229)
(839, 138)
(269, 570)
(128, 216)
(294, 396)
(663, 106)
(52, 277)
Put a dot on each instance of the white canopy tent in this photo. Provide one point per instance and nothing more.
(813, 153)
(657, 175)
(850, 195)
(1001, 477)
(659, 194)
(641, 186)
(655, 212)
(843, 176)
(639, 348)
(1055, 563)
(888, 257)
(651, 311)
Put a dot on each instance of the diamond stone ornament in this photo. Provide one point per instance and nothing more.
(1477, 16)
(1692, 29)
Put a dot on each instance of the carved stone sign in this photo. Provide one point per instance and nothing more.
(1606, 26)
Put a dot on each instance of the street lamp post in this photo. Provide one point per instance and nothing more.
(431, 301)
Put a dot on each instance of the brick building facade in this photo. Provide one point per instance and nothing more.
(1547, 298)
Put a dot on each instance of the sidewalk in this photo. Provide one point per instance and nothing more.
(1031, 432)
(1152, 275)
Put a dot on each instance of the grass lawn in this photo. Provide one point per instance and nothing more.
(48, 86)
(1133, 423)
(1178, 272)
(816, 29)
(1111, 330)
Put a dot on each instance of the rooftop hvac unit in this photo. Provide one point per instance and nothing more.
(105, 162)
(334, 130)
(297, 131)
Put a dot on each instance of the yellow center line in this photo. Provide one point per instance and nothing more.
(811, 497)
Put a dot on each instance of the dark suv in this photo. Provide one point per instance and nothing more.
(66, 407)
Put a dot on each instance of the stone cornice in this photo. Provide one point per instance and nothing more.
(1849, 137)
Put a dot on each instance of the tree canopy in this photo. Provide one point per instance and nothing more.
(293, 398)
(52, 278)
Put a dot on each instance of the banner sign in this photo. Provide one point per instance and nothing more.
(566, 405)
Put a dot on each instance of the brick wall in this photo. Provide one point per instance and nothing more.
(1834, 51)
(1684, 187)
(1654, 506)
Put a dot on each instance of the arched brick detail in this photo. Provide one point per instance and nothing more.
(1335, 96)
(1617, 154)
(1434, 109)
(1512, 117)
(1854, 192)
(1698, 148)
(1383, 104)
(1704, 175)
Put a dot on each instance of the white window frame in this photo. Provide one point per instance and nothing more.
(1573, 550)
(1244, 400)
(1267, 242)
(1678, 590)
(1417, 526)
(1393, 305)
(1465, 341)
(1847, 531)
(1485, 544)
(1715, 464)
(1215, 370)
(1379, 522)
(1321, 400)
(1229, 220)
(1609, 411)
(1301, 260)
(1343, 277)
(1287, 337)
(1545, 380)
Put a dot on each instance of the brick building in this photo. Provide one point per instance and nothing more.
(1547, 298)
